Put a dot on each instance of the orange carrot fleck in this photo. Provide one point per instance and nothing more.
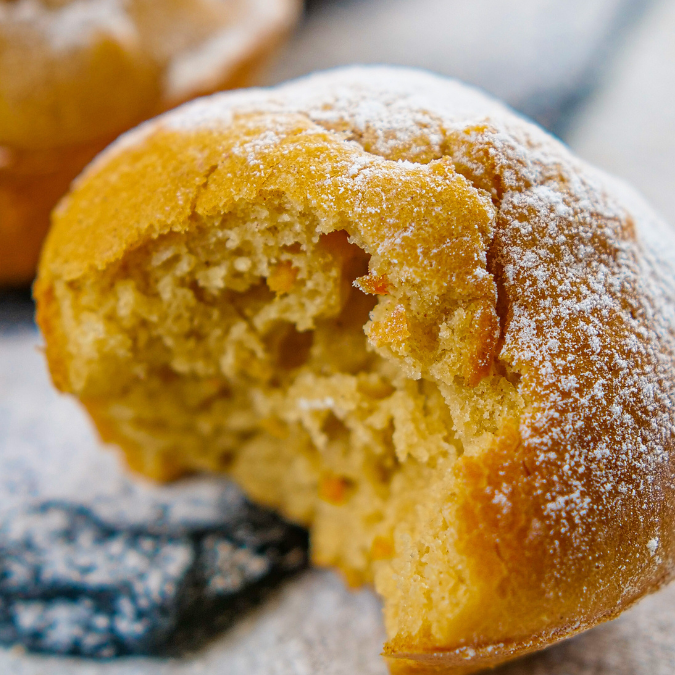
(333, 489)
(374, 284)
(283, 277)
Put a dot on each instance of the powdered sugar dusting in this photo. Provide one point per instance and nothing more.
(584, 271)
(395, 105)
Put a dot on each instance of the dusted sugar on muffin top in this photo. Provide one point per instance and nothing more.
(402, 316)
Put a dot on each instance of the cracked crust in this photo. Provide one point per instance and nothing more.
(495, 259)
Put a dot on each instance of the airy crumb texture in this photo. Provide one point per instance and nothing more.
(405, 318)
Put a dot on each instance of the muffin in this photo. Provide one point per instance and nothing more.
(74, 74)
(403, 316)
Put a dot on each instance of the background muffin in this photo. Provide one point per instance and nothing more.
(75, 74)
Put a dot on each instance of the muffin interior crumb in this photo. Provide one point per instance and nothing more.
(249, 346)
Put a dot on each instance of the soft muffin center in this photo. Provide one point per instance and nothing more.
(248, 346)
